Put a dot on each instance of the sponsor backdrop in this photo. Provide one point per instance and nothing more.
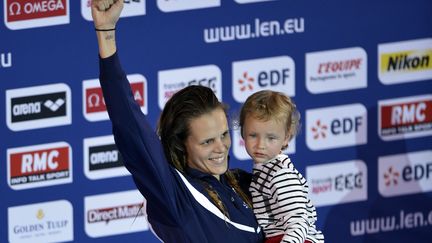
(360, 73)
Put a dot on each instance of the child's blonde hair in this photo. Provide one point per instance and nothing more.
(266, 105)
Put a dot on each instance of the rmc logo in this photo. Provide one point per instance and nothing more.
(338, 126)
(406, 117)
(273, 73)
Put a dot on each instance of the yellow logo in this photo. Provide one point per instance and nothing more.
(406, 61)
(40, 214)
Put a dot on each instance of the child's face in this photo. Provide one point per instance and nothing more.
(263, 139)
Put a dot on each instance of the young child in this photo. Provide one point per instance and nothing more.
(268, 121)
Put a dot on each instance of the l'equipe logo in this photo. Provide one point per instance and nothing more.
(336, 70)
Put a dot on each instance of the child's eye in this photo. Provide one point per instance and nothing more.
(225, 134)
(209, 141)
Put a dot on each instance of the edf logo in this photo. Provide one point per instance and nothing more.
(337, 126)
(273, 73)
(404, 174)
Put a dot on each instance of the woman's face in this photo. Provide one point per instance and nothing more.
(208, 143)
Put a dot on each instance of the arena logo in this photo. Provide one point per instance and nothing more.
(94, 108)
(171, 81)
(405, 61)
(41, 222)
(38, 108)
(337, 126)
(273, 73)
(336, 70)
(404, 174)
(23, 14)
(39, 165)
(6, 60)
(130, 8)
(182, 5)
(406, 117)
(114, 213)
(337, 183)
(239, 149)
(102, 158)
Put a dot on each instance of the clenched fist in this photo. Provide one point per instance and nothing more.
(104, 5)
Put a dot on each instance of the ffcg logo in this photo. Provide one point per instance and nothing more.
(273, 73)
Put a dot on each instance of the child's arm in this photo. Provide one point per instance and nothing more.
(292, 201)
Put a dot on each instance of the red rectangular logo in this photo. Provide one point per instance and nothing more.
(18, 10)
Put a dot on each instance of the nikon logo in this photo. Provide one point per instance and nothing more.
(405, 61)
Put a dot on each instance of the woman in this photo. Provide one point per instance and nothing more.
(191, 196)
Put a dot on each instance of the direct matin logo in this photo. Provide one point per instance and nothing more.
(114, 214)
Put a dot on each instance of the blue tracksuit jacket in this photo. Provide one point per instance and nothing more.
(178, 208)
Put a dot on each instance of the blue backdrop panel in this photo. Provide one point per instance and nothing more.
(359, 72)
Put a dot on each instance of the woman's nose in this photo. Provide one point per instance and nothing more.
(220, 146)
